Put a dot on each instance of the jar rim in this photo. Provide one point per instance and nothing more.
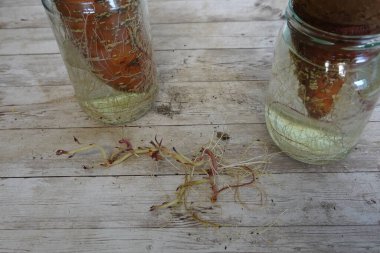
(309, 29)
(47, 4)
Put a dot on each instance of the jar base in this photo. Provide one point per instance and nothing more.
(121, 108)
(303, 139)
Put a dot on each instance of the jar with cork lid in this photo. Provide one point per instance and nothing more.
(325, 78)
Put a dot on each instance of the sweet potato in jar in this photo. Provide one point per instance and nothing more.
(112, 37)
(106, 48)
(325, 78)
(319, 88)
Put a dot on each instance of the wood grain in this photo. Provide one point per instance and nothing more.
(299, 199)
(247, 141)
(184, 103)
(214, 59)
(258, 34)
(30, 14)
(172, 240)
(177, 104)
(173, 66)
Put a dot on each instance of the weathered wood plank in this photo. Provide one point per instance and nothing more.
(13, 3)
(32, 15)
(256, 34)
(23, 16)
(51, 204)
(173, 66)
(31, 153)
(215, 10)
(311, 199)
(275, 239)
(177, 104)
(32, 70)
(27, 41)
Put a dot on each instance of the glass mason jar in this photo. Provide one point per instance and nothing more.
(106, 47)
(325, 78)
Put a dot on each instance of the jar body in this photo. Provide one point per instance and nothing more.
(321, 94)
(106, 48)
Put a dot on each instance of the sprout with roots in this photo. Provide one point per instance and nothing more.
(207, 164)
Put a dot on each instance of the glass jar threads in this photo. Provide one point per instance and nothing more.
(325, 78)
(106, 47)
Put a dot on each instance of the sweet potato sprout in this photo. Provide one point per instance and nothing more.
(207, 167)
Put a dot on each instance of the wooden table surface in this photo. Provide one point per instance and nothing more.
(214, 60)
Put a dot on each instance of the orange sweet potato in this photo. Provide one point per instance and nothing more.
(112, 38)
(321, 67)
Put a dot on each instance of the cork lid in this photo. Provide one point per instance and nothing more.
(352, 17)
